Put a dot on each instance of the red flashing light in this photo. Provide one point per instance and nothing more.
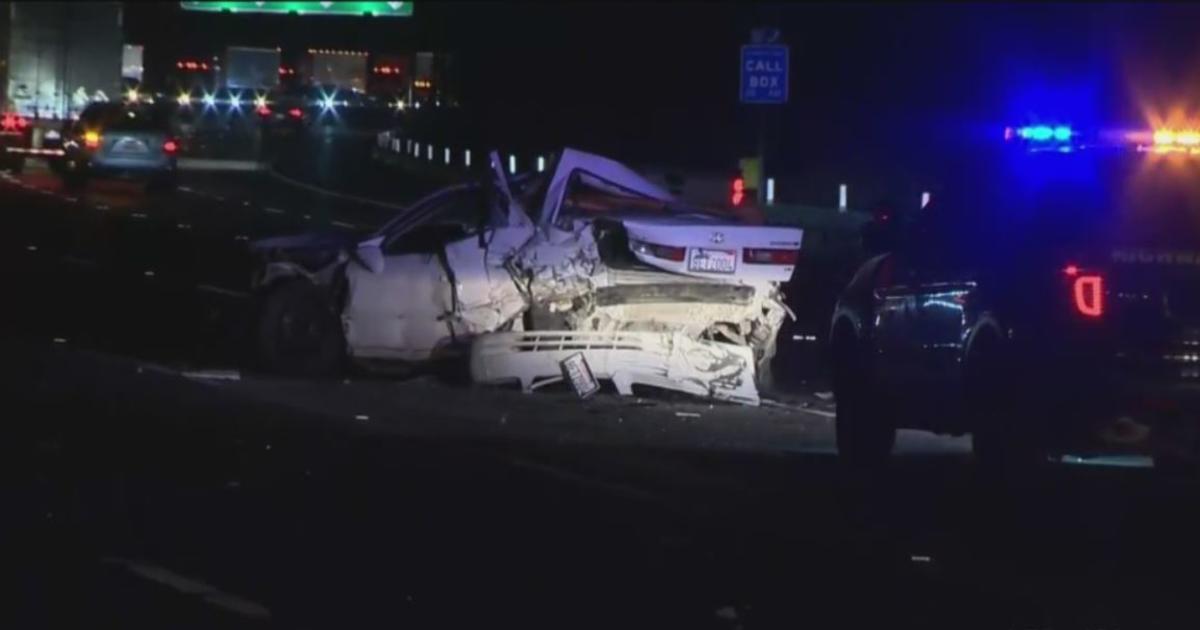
(1071, 270)
(1088, 291)
(739, 191)
(170, 147)
(770, 256)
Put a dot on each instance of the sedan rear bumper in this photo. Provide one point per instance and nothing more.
(667, 360)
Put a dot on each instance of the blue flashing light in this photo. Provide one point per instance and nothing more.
(1045, 133)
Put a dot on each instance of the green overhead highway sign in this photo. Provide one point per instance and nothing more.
(378, 9)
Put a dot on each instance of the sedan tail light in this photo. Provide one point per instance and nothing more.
(754, 256)
(1087, 291)
(170, 147)
(295, 112)
(665, 252)
(91, 139)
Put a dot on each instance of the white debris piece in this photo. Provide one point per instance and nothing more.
(667, 360)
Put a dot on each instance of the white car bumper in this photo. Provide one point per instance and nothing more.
(667, 360)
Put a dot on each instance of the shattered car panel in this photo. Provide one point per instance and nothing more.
(668, 360)
(469, 268)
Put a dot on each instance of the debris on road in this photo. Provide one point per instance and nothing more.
(576, 370)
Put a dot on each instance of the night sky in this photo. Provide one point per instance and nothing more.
(873, 87)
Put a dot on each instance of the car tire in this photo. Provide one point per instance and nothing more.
(299, 333)
(865, 435)
(1003, 439)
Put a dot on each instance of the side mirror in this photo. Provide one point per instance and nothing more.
(369, 254)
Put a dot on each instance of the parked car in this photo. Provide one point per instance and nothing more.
(1045, 303)
(519, 274)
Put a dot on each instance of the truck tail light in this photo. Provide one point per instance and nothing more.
(665, 252)
(1087, 291)
(770, 256)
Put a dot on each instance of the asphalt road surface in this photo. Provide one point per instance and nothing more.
(159, 482)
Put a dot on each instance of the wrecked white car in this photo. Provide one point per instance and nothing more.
(588, 259)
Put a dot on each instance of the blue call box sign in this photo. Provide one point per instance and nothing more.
(764, 74)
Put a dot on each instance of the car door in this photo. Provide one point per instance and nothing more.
(398, 308)
(940, 280)
(441, 281)
(894, 298)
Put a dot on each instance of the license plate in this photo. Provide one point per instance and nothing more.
(130, 146)
(712, 260)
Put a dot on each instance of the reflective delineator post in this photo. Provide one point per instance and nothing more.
(467, 158)
(770, 190)
(541, 164)
(925, 199)
(512, 164)
(842, 194)
(417, 149)
(429, 153)
(447, 155)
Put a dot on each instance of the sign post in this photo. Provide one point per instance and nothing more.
(764, 81)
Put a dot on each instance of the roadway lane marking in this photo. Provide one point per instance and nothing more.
(331, 193)
(818, 412)
(186, 189)
(208, 288)
(348, 226)
(191, 586)
(101, 206)
(273, 210)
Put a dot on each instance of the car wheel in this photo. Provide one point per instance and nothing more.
(1003, 439)
(865, 435)
(299, 334)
